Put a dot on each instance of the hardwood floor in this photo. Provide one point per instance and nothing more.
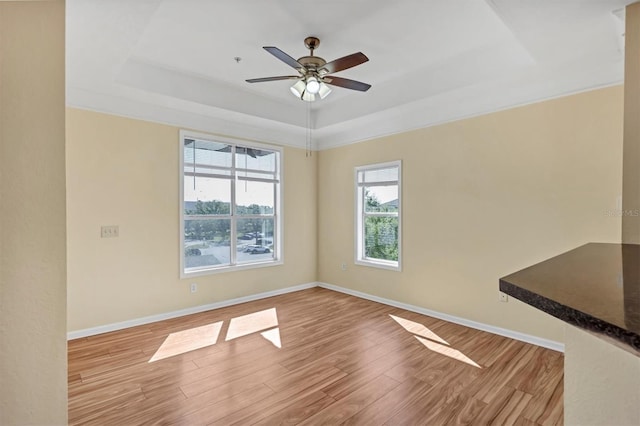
(311, 357)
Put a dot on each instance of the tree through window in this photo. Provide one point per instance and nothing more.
(378, 215)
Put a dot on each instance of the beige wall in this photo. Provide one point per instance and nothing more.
(601, 382)
(126, 172)
(33, 357)
(483, 197)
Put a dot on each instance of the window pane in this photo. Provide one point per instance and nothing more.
(207, 153)
(381, 198)
(379, 175)
(255, 239)
(381, 238)
(207, 242)
(256, 159)
(254, 197)
(203, 195)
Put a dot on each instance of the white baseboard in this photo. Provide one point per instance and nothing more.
(550, 344)
(182, 312)
(538, 341)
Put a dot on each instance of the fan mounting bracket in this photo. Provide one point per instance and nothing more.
(312, 43)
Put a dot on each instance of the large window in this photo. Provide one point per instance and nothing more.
(230, 214)
(378, 219)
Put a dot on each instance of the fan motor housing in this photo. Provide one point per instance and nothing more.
(312, 62)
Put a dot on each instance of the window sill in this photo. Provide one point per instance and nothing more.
(392, 266)
(223, 269)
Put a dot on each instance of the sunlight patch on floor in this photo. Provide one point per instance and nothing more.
(273, 336)
(432, 341)
(263, 322)
(189, 340)
(418, 329)
(447, 351)
(252, 323)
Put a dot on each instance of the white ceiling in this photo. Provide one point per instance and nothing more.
(430, 61)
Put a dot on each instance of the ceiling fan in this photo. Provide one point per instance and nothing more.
(315, 72)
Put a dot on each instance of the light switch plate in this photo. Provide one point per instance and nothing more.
(110, 231)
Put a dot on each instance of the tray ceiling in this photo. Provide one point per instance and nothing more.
(431, 62)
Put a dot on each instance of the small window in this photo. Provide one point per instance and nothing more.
(378, 218)
(230, 205)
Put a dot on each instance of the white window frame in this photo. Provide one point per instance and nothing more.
(278, 234)
(360, 214)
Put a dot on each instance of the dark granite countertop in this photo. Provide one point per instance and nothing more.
(595, 287)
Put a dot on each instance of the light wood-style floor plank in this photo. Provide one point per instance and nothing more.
(311, 357)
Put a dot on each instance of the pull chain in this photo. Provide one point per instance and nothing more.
(194, 164)
(309, 134)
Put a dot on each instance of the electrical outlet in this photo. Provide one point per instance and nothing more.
(110, 231)
(503, 297)
(194, 287)
(343, 266)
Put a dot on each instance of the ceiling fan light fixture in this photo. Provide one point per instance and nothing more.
(324, 90)
(301, 91)
(298, 89)
(309, 97)
(313, 85)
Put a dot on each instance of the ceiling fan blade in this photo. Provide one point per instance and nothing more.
(346, 83)
(263, 79)
(283, 57)
(344, 63)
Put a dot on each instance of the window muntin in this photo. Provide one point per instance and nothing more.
(230, 216)
(378, 219)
